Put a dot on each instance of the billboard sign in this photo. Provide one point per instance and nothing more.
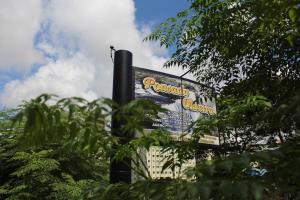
(185, 100)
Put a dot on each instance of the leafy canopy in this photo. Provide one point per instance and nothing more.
(247, 49)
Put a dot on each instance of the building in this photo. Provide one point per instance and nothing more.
(154, 160)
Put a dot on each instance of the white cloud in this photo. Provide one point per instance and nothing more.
(75, 37)
(95, 25)
(19, 22)
(66, 77)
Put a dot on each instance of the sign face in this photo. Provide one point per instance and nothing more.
(184, 99)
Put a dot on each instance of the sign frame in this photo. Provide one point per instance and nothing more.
(178, 135)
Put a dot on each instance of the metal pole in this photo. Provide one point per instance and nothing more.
(120, 171)
(181, 107)
(181, 85)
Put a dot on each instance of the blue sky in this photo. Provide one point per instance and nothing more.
(157, 11)
(62, 46)
(154, 12)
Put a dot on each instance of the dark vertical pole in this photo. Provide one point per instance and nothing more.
(122, 94)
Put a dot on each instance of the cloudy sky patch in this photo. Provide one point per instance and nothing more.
(62, 47)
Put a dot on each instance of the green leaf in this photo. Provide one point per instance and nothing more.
(293, 14)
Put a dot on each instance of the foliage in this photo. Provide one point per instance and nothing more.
(54, 169)
(242, 48)
(39, 157)
(80, 124)
(234, 39)
(247, 49)
(60, 148)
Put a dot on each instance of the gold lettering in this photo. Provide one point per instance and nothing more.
(148, 81)
(157, 87)
(186, 92)
(188, 104)
(164, 88)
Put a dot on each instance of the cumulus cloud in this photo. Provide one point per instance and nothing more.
(66, 77)
(74, 38)
(19, 22)
(95, 25)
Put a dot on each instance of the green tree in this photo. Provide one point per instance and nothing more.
(61, 148)
(53, 151)
(242, 48)
(249, 51)
(64, 166)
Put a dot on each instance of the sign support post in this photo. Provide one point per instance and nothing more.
(120, 171)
